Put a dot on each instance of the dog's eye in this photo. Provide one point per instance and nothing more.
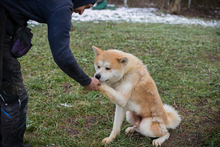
(107, 68)
(98, 66)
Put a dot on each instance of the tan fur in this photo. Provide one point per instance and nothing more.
(129, 85)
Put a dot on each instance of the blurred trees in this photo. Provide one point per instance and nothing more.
(171, 6)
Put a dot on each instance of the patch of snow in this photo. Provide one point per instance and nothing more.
(142, 15)
(33, 23)
(66, 105)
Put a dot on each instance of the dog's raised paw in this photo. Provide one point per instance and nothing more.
(102, 88)
(107, 140)
(129, 130)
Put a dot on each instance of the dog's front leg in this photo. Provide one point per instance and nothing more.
(119, 116)
(117, 97)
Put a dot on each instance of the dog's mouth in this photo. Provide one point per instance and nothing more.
(103, 81)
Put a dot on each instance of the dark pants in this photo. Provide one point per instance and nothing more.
(13, 112)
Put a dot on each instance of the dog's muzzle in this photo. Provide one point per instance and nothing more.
(98, 76)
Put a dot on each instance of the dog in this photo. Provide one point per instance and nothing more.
(126, 82)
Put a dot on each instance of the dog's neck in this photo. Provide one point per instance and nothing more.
(131, 65)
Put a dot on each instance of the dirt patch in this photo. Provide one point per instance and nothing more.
(86, 120)
(82, 122)
(192, 132)
(66, 87)
(72, 131)
(208, 13)
(193, 137)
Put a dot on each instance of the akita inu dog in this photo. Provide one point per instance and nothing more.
(127, 83)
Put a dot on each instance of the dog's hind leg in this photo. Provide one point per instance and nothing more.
(134, 120)
(119, 117)
(161, 139)
(154, 129)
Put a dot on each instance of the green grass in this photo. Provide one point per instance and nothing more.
(184, 61)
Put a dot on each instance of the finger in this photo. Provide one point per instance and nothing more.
(96, 89)
(97, 80)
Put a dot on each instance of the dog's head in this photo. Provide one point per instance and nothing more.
(109, 65)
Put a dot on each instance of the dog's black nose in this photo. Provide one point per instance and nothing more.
(98, 76)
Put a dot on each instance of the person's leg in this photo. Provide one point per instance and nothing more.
(13, 113)
(0, 129)
(13, 126)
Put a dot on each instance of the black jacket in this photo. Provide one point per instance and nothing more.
(57, 15)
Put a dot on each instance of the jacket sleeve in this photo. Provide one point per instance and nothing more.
(59, 24)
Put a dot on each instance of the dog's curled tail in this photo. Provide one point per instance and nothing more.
(174, 118)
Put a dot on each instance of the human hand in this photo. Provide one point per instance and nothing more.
(93, 85)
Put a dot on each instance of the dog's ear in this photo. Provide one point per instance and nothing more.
(96, 50)
(123, 60)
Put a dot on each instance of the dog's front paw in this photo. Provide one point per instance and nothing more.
(100, 87)
(107, 140)
(103, 88)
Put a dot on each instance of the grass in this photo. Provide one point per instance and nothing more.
(184, 61)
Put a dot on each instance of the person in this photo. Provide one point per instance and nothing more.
(14, 98)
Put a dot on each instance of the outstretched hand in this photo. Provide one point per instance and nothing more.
(93, 85)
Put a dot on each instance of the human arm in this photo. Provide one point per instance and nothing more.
(59, 25)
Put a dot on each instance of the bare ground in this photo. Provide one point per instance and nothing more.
(206, 13)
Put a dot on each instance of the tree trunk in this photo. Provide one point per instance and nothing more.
(162, 5)
(125, 3)
(189, 3)
(176, 7)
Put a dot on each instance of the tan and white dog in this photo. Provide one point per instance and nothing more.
(127, 83)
